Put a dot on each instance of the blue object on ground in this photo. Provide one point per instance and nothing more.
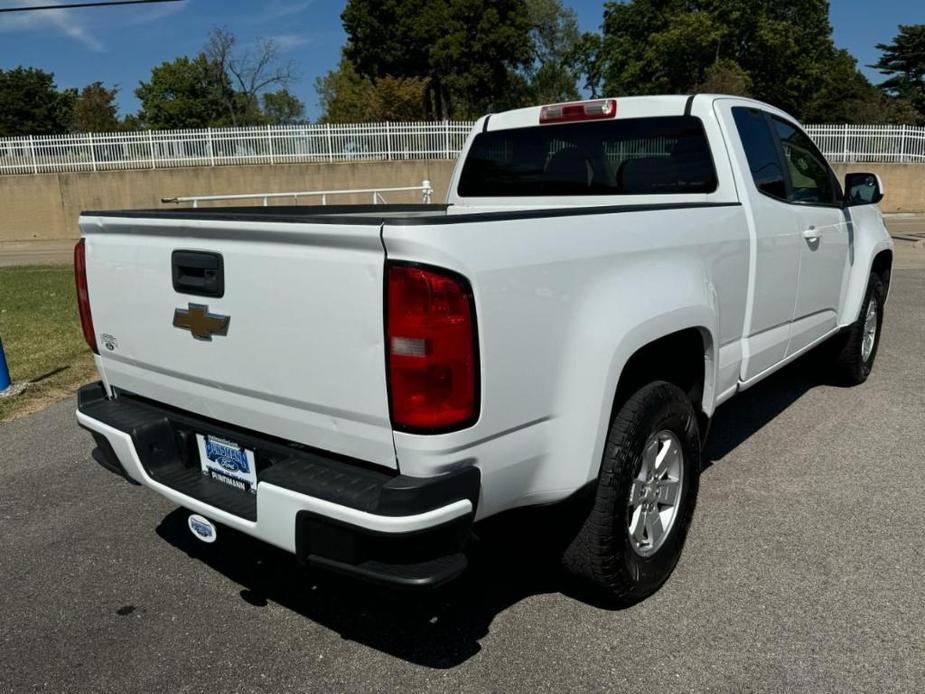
(4, 370)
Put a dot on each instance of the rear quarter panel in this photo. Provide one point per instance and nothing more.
(562, 303)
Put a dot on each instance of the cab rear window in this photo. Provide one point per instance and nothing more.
(640, 156)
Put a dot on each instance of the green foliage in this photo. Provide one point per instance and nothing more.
(221, 86)
(467, 50)
(131, 122)
(41, 336)
(417, 59)
(553, 75)
(773, 50)
(397, 99)
(903, 60)
(780, 52)
(183, 93)
(469, 57)
(282, 108)
(342, 93)
(588, 62)
(30, 103)
(726, 76)
(95, 109)
(347, 97)
(243, 75)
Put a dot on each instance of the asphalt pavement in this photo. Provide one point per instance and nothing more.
(804, 571)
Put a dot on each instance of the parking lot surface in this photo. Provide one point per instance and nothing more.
(803, 571)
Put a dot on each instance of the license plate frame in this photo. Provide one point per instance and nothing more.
(227, 462)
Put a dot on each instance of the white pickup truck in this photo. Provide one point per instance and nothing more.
(359, 385)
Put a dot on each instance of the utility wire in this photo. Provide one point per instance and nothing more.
(33, 8)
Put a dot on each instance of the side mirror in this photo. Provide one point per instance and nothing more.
(863, 189)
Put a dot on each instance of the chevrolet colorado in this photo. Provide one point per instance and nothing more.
(358, 385)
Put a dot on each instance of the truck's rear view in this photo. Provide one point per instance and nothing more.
(252, 368)
(359, 385)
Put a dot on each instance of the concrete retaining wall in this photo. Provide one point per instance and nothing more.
(904, 184)
(45, 207)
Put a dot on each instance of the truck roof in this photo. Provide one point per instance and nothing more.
(627, 107)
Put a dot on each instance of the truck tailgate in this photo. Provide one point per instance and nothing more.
(303, 355)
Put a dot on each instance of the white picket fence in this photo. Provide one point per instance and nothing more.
(877, 143)
(156, 149)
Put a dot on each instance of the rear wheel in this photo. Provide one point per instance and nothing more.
(632, 538)
(858, 345)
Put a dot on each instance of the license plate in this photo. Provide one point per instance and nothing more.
(227, 462)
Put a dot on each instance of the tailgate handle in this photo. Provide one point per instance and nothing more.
(198, 272)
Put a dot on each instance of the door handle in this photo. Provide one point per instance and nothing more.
(198, 272)
(812, 234)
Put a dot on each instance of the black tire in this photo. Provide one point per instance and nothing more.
(602, 555)
(850, 366)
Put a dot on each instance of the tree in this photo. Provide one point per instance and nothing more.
(468, 50)
(903, 60)
(347, 97)
(243, 75)
(725, 76)
(184, 93)
(221, 86)
(474, 59)
(131, 122)
(392, 37)
(30, 103)
(554, 74)
(844, 95)
(397, 99)
(588, 61)
(342, 93)
(282, 108)
(95, 109)
(781, 52)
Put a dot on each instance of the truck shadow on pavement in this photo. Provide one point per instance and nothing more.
(516, 558)
(438, 629)
(749, 411)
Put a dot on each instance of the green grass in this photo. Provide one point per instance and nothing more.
(41, 336)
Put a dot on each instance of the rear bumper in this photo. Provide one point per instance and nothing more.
(329, 511)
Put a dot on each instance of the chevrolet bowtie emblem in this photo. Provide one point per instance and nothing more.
(202, 324)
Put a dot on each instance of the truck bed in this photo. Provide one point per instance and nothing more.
(305, 214)
(398, 214)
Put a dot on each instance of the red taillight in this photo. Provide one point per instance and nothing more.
(431, 348)
(83, 296)
(579, 110)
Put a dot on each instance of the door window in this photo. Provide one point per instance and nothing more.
(761, 151)
(810, 178)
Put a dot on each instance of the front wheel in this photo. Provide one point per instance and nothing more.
(858, 345)
(631, 540)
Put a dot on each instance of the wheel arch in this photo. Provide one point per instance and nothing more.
(872, 251)
(880, 262)
(679, 347)
(681, 357)
(882, 266)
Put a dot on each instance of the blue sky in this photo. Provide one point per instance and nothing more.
(120, 45)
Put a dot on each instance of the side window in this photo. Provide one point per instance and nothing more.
(761, 151)
(810, 180)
